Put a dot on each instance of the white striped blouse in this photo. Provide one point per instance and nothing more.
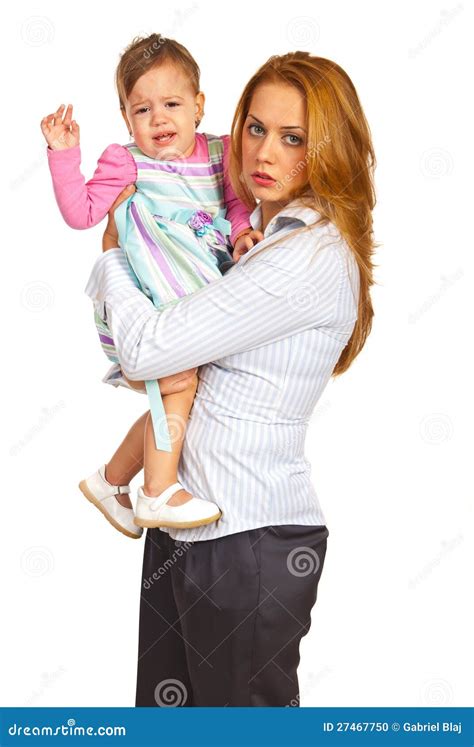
(267, 336)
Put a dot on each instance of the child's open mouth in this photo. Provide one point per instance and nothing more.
(164, 138)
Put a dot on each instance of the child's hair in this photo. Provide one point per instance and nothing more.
(146, 53)
(340, 161)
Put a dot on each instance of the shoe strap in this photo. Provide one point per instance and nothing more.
(117, 490)
(165, 495)
(114, 489)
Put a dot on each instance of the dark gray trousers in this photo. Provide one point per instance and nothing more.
(221, 620)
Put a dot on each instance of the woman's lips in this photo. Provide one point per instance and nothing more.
(264, 180)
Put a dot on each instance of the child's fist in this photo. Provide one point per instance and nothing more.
(245, 242)
(60, 132)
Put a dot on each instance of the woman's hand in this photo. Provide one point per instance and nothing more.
(168, 384)
(60, 133)
(110, 237)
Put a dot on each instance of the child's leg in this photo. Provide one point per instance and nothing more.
(128, 459)
(161, 467)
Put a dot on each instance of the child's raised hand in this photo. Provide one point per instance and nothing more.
(60, 131)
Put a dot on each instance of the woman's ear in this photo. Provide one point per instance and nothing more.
(199, 107)
(129, 128)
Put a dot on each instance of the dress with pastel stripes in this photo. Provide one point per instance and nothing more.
(173, 231)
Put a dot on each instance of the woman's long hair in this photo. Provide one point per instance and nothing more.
(340, 162)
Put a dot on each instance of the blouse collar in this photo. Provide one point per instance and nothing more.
(292, 213)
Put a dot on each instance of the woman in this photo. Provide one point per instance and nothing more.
(224, 606)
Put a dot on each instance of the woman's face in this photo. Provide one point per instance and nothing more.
(274, 143)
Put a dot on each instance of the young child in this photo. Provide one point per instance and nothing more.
(173, 230)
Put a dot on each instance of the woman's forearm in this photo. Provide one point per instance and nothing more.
(248, 307)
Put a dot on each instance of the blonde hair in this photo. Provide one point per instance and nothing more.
(340, 161)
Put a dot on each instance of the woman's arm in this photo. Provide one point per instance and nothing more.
(254, 304)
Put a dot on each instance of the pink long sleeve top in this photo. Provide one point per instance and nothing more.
(84, 204)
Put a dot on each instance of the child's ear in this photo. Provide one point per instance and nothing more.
(124, 115)
(199, 107)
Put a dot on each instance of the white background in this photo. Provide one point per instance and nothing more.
(388, 441)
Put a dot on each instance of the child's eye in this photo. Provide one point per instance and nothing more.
(253, 129)
(172, 103)
(142, 110)
(295, 141)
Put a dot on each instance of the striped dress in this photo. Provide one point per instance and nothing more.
(173, 230)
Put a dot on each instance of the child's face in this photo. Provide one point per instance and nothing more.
(161, 112)
(274, 143)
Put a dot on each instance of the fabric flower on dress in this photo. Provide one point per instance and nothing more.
(201, 222)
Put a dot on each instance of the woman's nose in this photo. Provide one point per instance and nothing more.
(266, 150)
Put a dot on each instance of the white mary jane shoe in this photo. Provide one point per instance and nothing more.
(153, 511)
(102, 494)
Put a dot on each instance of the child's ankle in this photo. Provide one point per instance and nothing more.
(155, 487)
(109, 477)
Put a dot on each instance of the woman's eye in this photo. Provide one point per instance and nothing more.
(255, 129)
(293, 140)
